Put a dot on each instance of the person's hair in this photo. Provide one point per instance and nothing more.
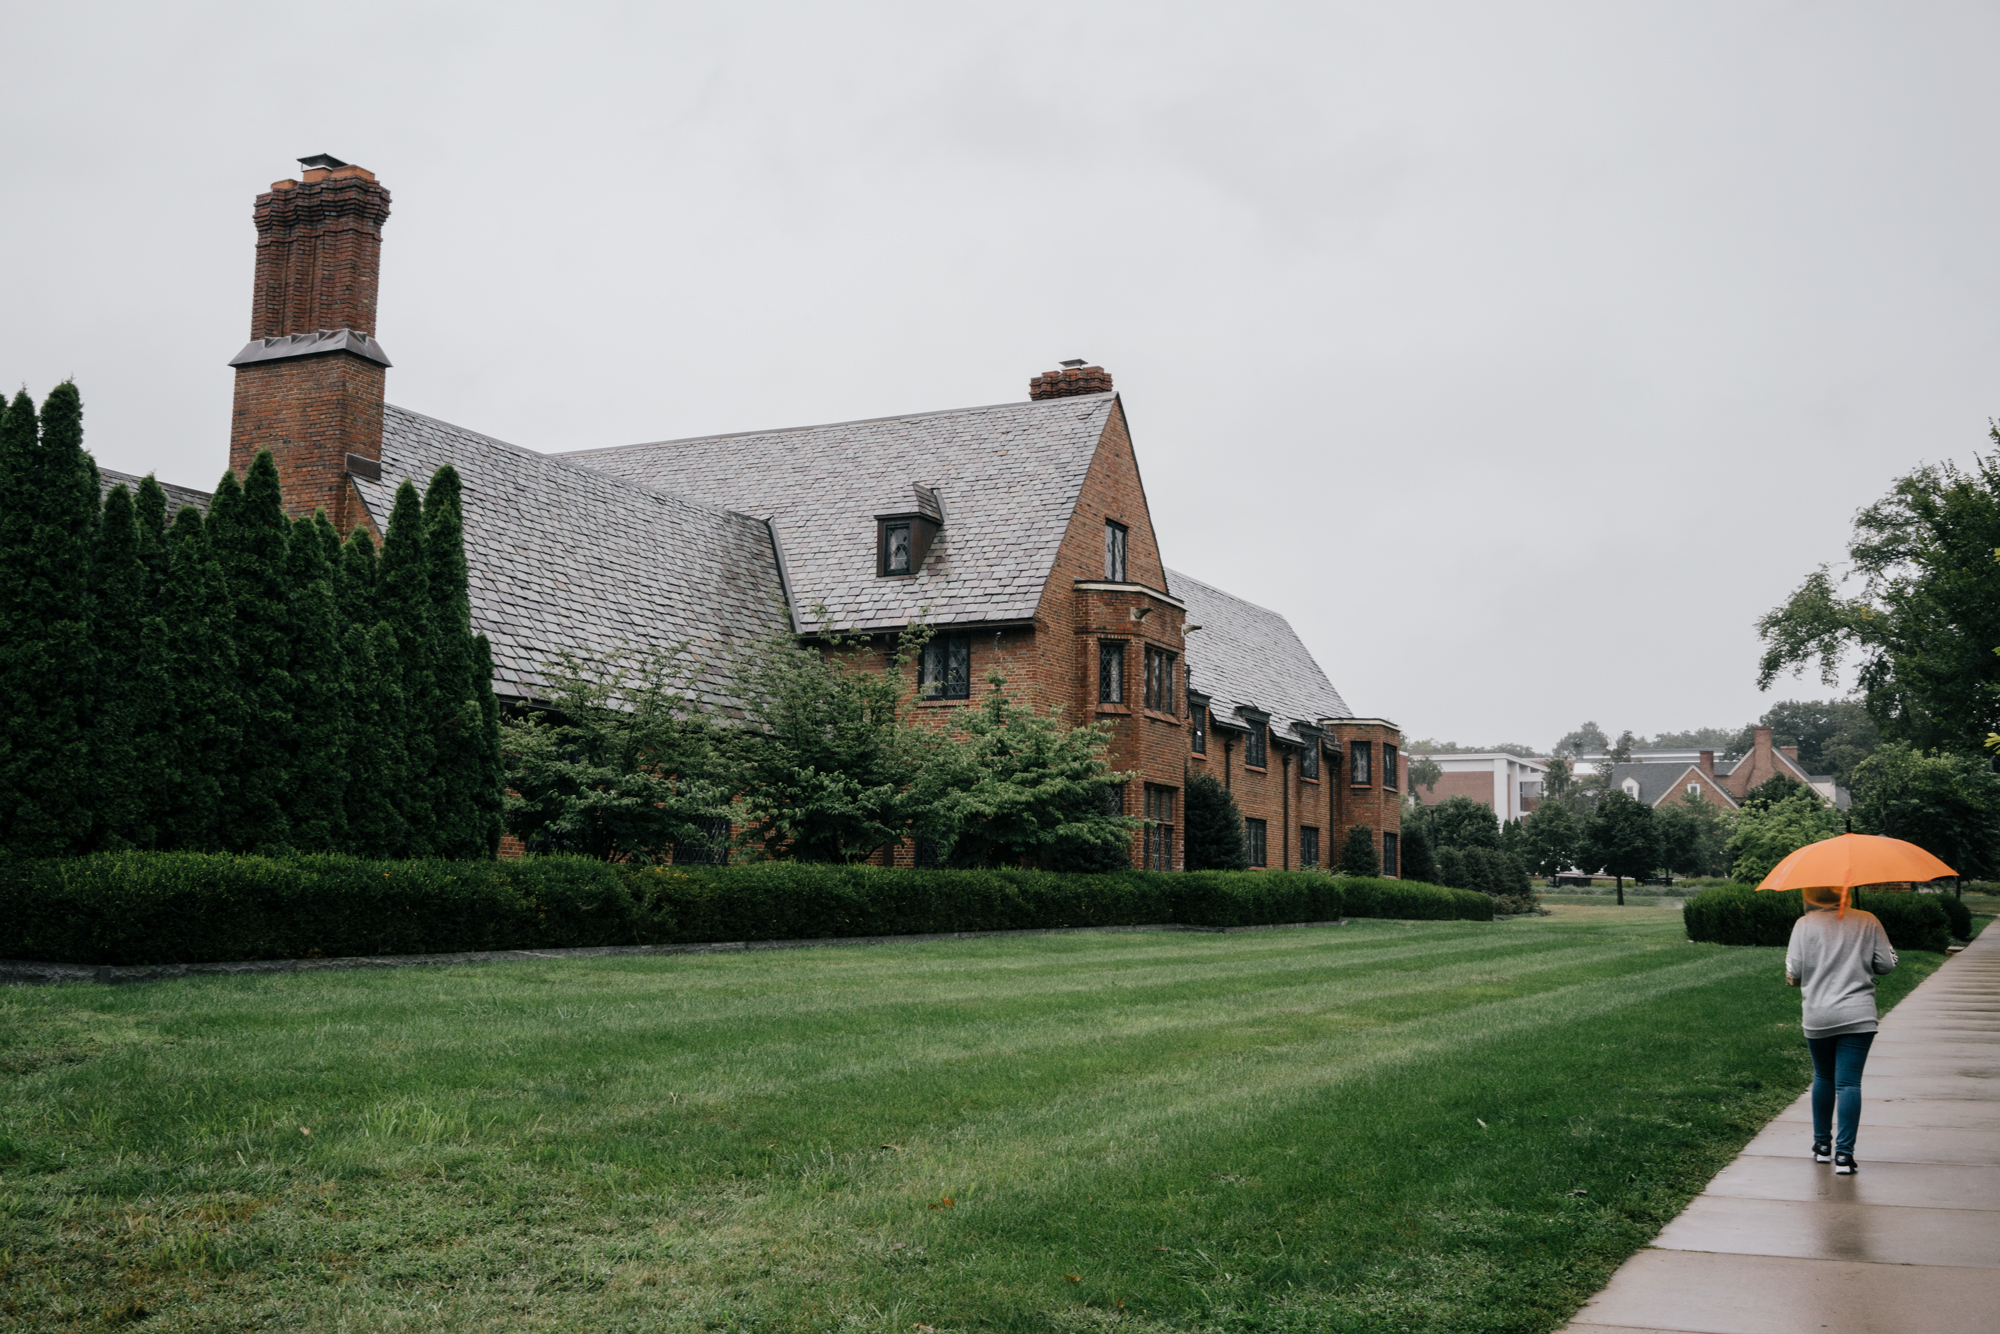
(1822, 896)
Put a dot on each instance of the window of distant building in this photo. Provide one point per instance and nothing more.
(1360, 762)
(1309, 760)
(1198, 729)
(1391, 850)
(1114, 552)
(1159, 828)
(1631, 786)
(1390, 777)
(945, 670)
(1253, 841)
(1694, 789)
(1308, 847)
(895, 548)
(1111, 672)
(1253, 749)
(710, 849)
(1159, 680)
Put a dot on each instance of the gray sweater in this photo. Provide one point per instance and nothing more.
(1836, 959)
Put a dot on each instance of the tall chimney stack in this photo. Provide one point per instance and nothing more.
(309, 384)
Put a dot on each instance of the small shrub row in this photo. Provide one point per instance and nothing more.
(169, 908)
(1740, 915)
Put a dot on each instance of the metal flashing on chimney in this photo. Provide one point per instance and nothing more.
(325, 160)
(311, 345)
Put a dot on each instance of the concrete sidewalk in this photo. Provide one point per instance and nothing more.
(1778, 1244)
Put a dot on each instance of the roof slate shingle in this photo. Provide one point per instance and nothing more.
(1246, 655)
(1008, 475)
(564, 557)
(178, 497)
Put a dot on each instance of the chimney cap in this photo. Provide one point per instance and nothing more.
(321, 160)
(1071, 364)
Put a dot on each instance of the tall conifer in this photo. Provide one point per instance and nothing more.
(120, 724)
(248, 533)
(45, 660)
(149, 508)
(403, 597)
(317, 793)
(376, 753)
(356, 585)
(468, 741)
(201, 667)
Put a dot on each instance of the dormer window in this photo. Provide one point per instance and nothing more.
(1309, 760)
(895, 548)
(1253, 750)
(1114, 552)
(1198, 729)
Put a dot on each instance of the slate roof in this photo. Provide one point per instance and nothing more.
(1248, 655)
(1658, 781)
(1008, 476)
(178, 497)
(564, 557)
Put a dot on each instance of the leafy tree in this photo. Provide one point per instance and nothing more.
(1723, 740)
(1491, 871)
(49, 497)
(1010, 787)
(1461, 822)
(1213, 837)
(1560, 787)
(1769, 830)
(1419, 851)
(1776, 788)
(1832, 735)
(1425, 772)
(1620, 838)
(1925, 614)
(1512, 841)
(1947, 804)
(1551, 839)
(1693, 835)
(623, 764)
(1588, 739)
(1358, 856)
(1621, 750)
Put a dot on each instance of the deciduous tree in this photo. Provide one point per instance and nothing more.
(1947, 804)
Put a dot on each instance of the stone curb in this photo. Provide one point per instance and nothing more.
(21, 972)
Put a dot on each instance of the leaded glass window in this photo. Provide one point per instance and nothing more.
(1390, 778)
(1159, 680)
(1309, 761)
(1253, 841)
(1110, 673)
(1159, 828)
(1360, 755)
(1254, 749)
(896, 548)
(1308, 847)
(945, 670)
(1114, 552)
(1198, 730)
(1391, 856)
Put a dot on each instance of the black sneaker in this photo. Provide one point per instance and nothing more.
(1822, 1151)
(1843, 1164)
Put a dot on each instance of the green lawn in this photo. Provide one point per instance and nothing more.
(1270, 1131)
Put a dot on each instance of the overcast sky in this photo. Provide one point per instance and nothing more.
(1521, 354)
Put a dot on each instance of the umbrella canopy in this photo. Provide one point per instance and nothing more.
(1854, 859)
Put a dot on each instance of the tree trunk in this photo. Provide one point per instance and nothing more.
(1621, 890)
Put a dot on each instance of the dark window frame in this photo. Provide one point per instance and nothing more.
(944, 668)
(1392, 856)
(1361, 763)
(1309, 761)
(1159, 828)
(1117, 538)
(1308, 847)
(1391, 780)
(1111, 671)
(1198, 729)
(1257, 750)
(1159, 679)
(1255, 840)
(887, 555)
(713, 850)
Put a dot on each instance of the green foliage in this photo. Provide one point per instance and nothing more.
(128, 777)
(408, 605)
(466, 722)
(1946, 803)
(1774, 789)
(1213, 835)
(1621, 839)
(1358, 854)
(1768, 831)
(1832, 735)
(1925, 616)
(1739, 915)
(248, 531)
(1419, 850)
(1461, 822)
(1957, 913)
(1551, 838)
(1694, 836)
(620, 766)
(1588, 739)
(1408, 900)
(1425, 772)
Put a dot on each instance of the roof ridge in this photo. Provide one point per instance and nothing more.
(834, 425)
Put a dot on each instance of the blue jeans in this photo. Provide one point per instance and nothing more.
(1837, 1063)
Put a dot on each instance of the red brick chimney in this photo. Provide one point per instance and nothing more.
(1708, 764)
(1074, 378)
(309, 384)
(1790, 752)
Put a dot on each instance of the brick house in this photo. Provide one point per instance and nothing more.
(1655, 783)
(1020, 531)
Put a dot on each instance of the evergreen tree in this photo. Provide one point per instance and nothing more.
(149, 508)
(403, 599)
(1358, 856)
(1213, 839)
(316, 795)
(124, 780)
(201, 673)
(1419, 853)
(376, 753)
(248, 529)
(46, 669)
(468, 776)
(356, 583)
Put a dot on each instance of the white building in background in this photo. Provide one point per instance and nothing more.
(1508, 784)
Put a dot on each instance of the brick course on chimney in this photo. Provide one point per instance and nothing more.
(1068, 383)
(309, 387)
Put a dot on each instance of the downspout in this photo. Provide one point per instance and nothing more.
(1285, 761)
(1225, 761)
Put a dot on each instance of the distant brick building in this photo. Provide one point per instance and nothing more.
(1019, 530)
(1509, 784)
(1655, 783)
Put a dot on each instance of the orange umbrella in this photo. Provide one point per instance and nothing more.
(1847, 860)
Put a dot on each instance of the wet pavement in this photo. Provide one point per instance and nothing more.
(1778, 1244)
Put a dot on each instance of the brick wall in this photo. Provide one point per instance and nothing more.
(1478, 786)
(311, 413)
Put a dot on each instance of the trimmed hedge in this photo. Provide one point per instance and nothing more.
(167, 908)
(1739, 915)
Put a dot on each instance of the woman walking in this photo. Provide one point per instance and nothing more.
(1836, 953)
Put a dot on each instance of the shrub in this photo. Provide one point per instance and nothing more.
(1358, 856)
(1739, 915)
(1410, 901)
(1956, 913)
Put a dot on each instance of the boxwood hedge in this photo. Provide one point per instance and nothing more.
(169, 908)
(1739, 915)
